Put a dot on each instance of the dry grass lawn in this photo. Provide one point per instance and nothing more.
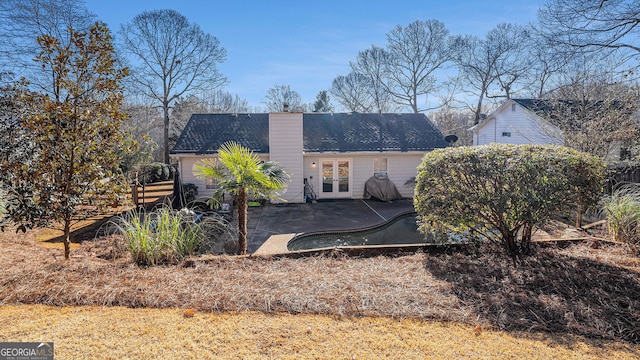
(582, 301)
(121, 333)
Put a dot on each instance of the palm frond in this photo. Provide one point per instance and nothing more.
(275, 172)
(240, 171)
(208, 168)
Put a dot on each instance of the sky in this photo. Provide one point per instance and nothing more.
(306, 44)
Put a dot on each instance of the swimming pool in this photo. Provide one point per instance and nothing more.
(402, 229)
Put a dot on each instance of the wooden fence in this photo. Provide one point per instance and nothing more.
(622, 174)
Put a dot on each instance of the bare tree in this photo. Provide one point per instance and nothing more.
(451, 121)
(141, 134)
(22, 22)
(593, 25)
(182, 111)
(220, 101)
(493, 62)
(595, 110)
(353, 92)
(476, 63)
(280, 95)
(547, 63)
(415, 53)
(171, 57)
(145, 124)
(373, 63)
(513, 68)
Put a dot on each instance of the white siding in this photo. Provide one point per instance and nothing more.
(285, 147)
(312, 171)
(401, 168)
(524, 127)
(362, 171)
(186, 167)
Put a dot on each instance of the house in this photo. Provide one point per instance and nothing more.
(517, 121)
(335, 154)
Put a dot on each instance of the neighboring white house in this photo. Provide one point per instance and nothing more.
(334, 153)
(516, 122)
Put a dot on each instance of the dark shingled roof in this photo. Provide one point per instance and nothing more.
(352, 132)
(205, 133)
(323, 132)
(535, 105)
(557, 110)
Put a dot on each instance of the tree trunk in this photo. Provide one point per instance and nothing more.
(67, 239)
(477, 114)
(525, 243)
(579, 215)
(165, 108)
(414, 102)
(241, 205)
(510, 244)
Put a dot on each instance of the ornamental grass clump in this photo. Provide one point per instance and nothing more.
(622, 211)
(161, 236)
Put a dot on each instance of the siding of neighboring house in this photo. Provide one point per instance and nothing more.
(285, 144)
(514, 124)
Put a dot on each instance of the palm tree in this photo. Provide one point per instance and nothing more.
(239, 172)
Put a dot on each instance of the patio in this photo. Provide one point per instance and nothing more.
(274, 219)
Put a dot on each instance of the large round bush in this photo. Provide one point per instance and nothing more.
(499, 192)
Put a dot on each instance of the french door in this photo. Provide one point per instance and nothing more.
(336, 178)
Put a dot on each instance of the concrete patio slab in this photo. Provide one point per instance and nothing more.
(264, 222)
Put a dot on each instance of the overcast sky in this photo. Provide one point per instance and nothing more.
(306, 44)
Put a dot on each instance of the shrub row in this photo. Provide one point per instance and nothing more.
(155, 172)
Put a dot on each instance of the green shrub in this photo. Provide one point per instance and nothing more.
(622, 210)
(165, 173)
(150, 173)
(190, 192)
(155, 172)
(499, 192)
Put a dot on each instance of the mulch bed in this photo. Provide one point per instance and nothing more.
(590, 289)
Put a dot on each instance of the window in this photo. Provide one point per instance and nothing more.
(211, 183)
(513, 107)
(380, 167)
(506, 134)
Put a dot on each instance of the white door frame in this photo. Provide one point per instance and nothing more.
(335, 182)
